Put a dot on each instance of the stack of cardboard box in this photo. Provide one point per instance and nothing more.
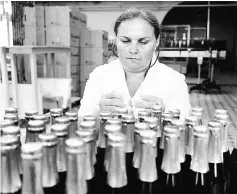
(66, 26)
(63, 27)
(93, 52)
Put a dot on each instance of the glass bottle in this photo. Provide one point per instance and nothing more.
(180, 125)
(61, 131)
(137, 147)
(10, 177)
(32, 154)
(75, 182)
(215, 158)
(190, 123)
(147, 170)
(50, 177)
(224, 120)
(100, 176)
(171, 161)
(73, 117)
(88, 136)
(113, 125)
(15, 131)
(117, 176)
(35, 127)
(199, 164)
(54, 113)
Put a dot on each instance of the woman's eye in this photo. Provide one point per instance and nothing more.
(143, 42)
(125, 41)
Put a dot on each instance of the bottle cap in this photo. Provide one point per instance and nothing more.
(128, 118)
(175, 112)
(112, 128)
(157, 108)
(221, 112)
(30, 114)
(197, 114)
(114, 121)
(48, 139)
(32, 150)
(75, 145)
(117, 138)
(11, 130)
(221, 117)
(73, 115)
(214, 125)
(8, 141)
(11, 110)
(148, 137)
(89, 118)
(40, 117)
(56, 111)
(192, 120)
(200, 131)
(11, 117)
(6, 123)
(104, 115)
(85, 125)
(86, 135)
(60, 129)
(36, 125)
(141, 126)
(142, 114)
(197, 109)
(178, 123)
(62, 120)
(152, 121)
(167, 116)
(171, 131)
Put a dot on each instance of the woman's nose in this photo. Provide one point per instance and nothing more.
(133, 49)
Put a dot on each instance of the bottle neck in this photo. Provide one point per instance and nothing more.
(75, 173)
(32, 176)
(50, 173)
(10, 171)
(61, 154)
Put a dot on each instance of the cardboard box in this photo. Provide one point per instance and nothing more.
(94, 39)
(92, 56)
(34, 16)
(61, 59)
(62, 36)
(34, 35)
(64, 16)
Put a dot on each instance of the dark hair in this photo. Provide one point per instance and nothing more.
(137, 12)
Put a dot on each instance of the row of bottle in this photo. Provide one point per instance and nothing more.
(181, 155)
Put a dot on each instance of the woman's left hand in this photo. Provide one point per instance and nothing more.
(147, 101)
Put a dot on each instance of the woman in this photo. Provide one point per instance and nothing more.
(136, 79)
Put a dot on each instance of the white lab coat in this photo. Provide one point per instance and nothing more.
(161, 81)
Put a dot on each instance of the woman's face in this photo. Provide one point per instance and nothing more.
(136, 43)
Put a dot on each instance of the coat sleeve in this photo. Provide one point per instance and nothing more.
(89, 104)
(178, 98)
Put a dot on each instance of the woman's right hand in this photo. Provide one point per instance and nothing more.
(112, 101)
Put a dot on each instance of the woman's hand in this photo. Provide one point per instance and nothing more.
(147, 101)
(111, 102)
